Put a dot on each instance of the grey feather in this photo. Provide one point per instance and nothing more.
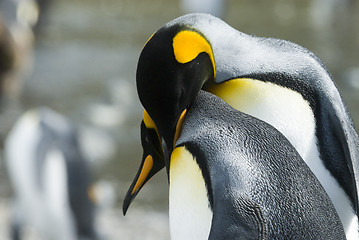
(258, 185)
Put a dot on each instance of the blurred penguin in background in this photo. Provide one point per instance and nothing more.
(50, 178)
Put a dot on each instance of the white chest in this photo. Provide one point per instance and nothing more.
(189, 211)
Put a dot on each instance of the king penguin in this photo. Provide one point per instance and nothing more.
(50, 178)
(256, 184)
(274, 80)
(233, 176)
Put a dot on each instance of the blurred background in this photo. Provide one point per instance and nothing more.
(79, 58)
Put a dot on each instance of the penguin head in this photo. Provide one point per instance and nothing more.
(172, 68)
(152, 159)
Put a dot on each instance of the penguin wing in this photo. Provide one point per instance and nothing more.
(349, 143)
(238, 218)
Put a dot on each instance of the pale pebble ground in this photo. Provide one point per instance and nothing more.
(139, 224)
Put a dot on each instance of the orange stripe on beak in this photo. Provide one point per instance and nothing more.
(147, 166)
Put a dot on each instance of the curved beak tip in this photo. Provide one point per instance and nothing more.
(128, 200)
(125, 206)
(124, 210)
(141, 178)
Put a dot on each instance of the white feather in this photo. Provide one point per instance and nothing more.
(190, 215)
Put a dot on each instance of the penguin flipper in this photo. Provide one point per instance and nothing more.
(238, 218)
(349, 142)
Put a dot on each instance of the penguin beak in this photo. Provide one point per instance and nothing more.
(148, 168)
(143, 175)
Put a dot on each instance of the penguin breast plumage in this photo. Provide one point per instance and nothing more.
(189, 208)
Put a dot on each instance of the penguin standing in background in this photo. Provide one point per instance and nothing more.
(274, 80)
(50, 178)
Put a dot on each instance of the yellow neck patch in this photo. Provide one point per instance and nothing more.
(179, 127)
(187, 45)
(184, 168)
(148, 121)
(243, 93)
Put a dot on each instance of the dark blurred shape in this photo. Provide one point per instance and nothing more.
(7, 56)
